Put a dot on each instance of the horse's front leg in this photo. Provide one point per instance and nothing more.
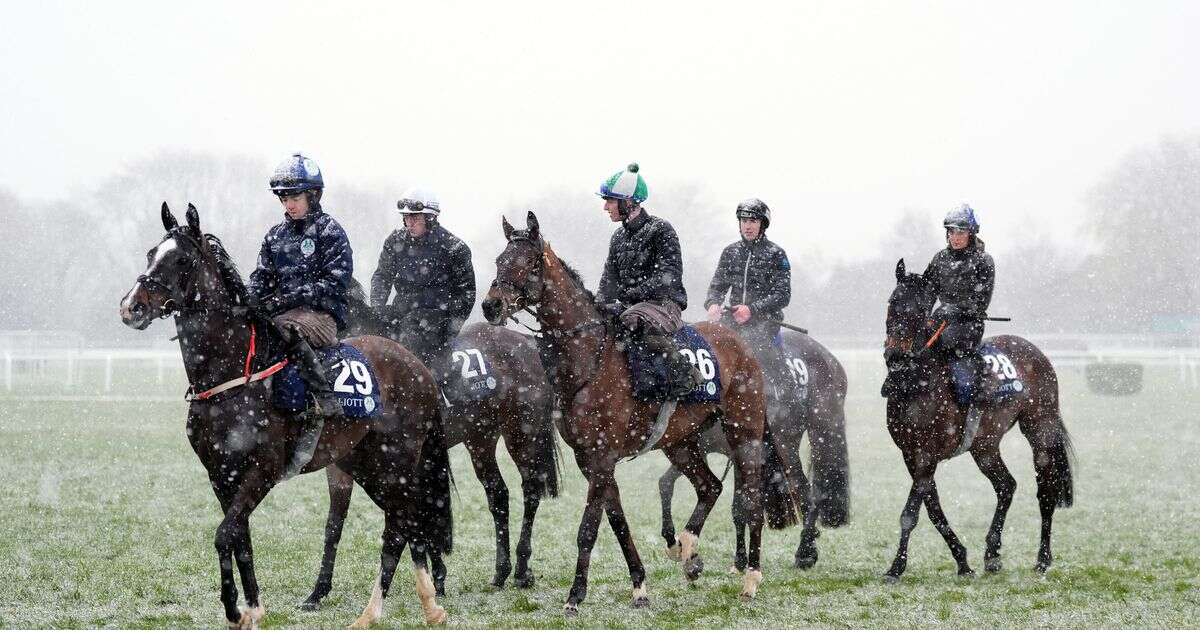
(589, 526)
(233, 539)
(620, 527)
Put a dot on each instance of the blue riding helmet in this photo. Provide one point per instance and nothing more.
(962, 218)
(295, 175)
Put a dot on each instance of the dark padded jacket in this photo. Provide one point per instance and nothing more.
(644, 264)
(305, 263)
(755, 273)
(431, 273)
(963, 280)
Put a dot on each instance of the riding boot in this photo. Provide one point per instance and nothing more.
(978, 403)
(316, 380)
(682, 377)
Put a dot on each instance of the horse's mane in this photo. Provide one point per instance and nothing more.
(230, 277)
(574, 275)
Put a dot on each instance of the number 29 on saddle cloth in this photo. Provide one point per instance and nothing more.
(352, 377)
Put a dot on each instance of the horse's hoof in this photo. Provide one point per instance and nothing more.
(524, 581)
(966, 573)
(570, 610)
(750, 583)
(641, 601)
(806, 561)
(888, 578)
(992, 565)
(440, 590)
(435, 616)
(309, 605)
(675, 552)
(1042, 567)
(693, 568)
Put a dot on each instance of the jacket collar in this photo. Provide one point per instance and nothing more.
(634, 224)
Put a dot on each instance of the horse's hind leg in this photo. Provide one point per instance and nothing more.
(689, 459)
(666, 492)
(737, 509)
(933, 505)
(1051, 462)
(483, 459)
(523, 449)
(987, 457)
(341, 487)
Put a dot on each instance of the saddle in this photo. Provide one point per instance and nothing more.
(349, 372)
(650, 371)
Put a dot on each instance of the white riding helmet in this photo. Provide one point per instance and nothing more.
(419, 201)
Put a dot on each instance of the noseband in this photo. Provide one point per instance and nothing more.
(169, 305)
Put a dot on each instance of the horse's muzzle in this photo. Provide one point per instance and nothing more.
(493, 310)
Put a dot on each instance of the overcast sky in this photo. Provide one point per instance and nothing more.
(839, 115)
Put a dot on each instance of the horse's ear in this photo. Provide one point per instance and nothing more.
(508, 228)
(168, 219)
(532, 222)
(900, 271)
(193, 219)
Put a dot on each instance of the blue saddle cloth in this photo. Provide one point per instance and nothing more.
(471, 377)
(353, 381)
(650, 372)
(1008, 378)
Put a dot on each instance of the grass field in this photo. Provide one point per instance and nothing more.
(108, 521)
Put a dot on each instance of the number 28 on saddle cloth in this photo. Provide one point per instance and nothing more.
(1000, 379)
(649, 372)
(352, 377)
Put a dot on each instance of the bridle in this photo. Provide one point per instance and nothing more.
(170, 306)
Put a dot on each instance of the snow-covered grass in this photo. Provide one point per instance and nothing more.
(107, 519)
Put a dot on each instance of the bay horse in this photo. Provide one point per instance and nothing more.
(603, 422)
(927, 425)
(399, 457)
(518, 411)
(822, 416)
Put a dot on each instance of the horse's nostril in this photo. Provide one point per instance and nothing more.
(138, 308)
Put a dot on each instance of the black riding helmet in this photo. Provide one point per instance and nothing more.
(755, 209)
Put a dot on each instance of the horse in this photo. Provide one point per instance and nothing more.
(823, 417)
(399, 457)
(927, 425)
(603, 422)
(519, 411)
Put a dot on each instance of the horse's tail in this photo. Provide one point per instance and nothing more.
(830, 456)
(435, 478)
(1062, 453)
(545, 464)
(778, 502)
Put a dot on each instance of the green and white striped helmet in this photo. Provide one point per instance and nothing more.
(627, 184)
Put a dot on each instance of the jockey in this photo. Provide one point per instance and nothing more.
(756, 276)
(642, 283)
(434, 279)
(962, 277)
(301, 283)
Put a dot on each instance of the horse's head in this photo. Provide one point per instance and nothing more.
(173, 272)
(907, 315)
(519, 281)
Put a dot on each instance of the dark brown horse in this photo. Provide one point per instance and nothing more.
(822, 415)
(518, 411)
(399, 457)
(928, 426)
(603, 423)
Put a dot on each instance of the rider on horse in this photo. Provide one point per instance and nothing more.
(431, 270)
(754, 272)
(642, 283)
(301, 283)
(962, 276)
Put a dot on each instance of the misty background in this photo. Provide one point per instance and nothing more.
(1072, 129)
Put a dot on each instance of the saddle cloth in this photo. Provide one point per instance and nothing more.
(1001, 377)
(352, 377)
(650, 372)
(470, 376)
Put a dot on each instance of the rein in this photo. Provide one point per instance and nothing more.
(247, 376)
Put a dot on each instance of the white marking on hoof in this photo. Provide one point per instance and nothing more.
(374, 609)
(689, 543)
(641, 598)
(750, 584)
(675, 552)
(434, 614)
(570, 610)
(247, 621)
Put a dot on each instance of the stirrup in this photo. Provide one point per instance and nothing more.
(306, 447)
(970, 429)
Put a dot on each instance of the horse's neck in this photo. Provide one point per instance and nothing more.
(214, 346)
(566, 307)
